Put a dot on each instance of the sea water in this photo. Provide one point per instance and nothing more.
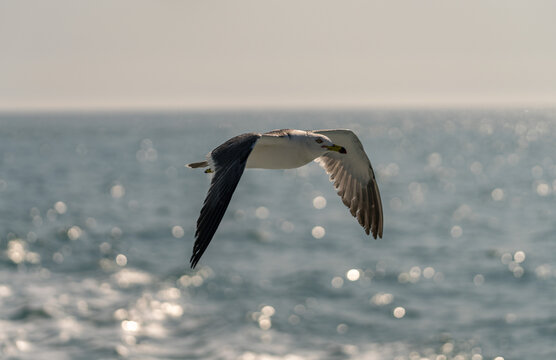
(98, 215)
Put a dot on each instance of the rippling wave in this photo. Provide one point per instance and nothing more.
(97, 216)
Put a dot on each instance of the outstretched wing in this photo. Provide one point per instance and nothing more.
(228, 162)
(354, 178)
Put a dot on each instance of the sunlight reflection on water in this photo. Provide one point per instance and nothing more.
(96, 234)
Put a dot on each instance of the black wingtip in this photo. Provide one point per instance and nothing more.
(374, 232)
(193, 261)
(195, 257)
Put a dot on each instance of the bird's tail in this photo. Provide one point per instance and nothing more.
(198, 165)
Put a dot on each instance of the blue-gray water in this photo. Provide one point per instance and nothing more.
(97, 216)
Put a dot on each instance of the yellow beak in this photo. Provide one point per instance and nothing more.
(335, 147)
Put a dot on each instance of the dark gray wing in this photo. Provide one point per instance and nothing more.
(354, 179)
(229, 161)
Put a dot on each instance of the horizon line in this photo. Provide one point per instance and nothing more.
(278, 106)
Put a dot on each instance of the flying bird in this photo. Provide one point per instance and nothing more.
(339, 152)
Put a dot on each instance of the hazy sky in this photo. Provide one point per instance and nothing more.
(178, 53)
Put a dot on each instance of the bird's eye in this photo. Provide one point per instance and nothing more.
(319, 141)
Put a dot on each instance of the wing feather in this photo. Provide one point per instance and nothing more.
(365, 204)
(353, 197)
(229, 161)
(334, 165)
(354, 179)
(342, 180)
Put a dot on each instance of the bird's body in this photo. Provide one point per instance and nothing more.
(338, 151)
(288, 150)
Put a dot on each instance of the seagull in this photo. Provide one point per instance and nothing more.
(338, 151)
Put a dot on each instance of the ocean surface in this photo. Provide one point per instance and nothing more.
(98, 214)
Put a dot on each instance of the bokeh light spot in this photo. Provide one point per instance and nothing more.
(117, 191)
(262, 212)
(342, 328)
(497, 194)
(5, 291)
(337, 282)
(519, 256)
(381, 299)
(318, 232)
(60, 207)
(177, 232)
(293, 319)
(353, 274)
(537, 171)
(518, 271)
(428, 272)
(58, 258)
(16, 251)
(506, 258)
(131, 326)
(399, 312)
(456, 231)
(121, 260)
(543, 189)
(268, 310)
(287, 227)
(319, 202)
(74, 232)
(264, 323)
(116, 232)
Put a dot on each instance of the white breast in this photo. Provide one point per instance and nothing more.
(285, 152)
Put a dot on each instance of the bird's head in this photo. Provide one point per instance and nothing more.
(325, 143)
